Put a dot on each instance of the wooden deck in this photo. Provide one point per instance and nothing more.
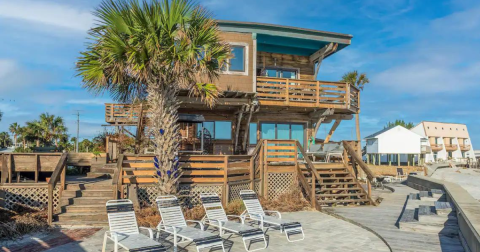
(383, 219)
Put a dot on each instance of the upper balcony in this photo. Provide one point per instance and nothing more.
(451, 147)
(436, 147)
(465, 147)
(307, 93)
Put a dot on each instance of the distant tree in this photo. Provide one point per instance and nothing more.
(358, 80)
(85, 146)
(1, 115)
(401, 123)
(15, 130)
(5, 140)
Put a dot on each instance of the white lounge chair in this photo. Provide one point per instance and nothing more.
(216, 217)
(173, 222)
(254, 211)
(124, 230)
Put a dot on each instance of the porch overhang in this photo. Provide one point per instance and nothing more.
(286, 39)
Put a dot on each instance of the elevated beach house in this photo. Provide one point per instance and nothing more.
(256, 137)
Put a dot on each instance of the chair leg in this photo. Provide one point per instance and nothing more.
(116, 247)
(245, 244)
(104, 242)
(288, 238)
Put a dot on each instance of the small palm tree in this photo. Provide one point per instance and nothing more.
(58, 129)
(34, 131)
(152, 50)
(358, 80)
(15, 130)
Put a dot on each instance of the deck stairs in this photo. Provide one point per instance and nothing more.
(102, 171)
(83, 204)
(338, 186)
(429, 212)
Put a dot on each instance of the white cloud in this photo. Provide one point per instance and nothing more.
(10, 110)
(45, 13)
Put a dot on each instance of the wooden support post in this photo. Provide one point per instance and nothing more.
(313, 197)
(332, 130)
(398, 155)
(369, 188)
(18, 177)
(252, 172)
(9, 165)
(261, 161)
(133, 195)
(318, 94)
(321, 118)
(357, 126)
(50, 203)
(247, 129)
(287, 92)
(225, 181)
(408, 159)
(36, 168)
(265, 170)
(4, 169)
(237, 128)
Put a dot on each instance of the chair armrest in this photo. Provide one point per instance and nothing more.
(150, 231)
(279, 215)
(237, 216)
(200, 223)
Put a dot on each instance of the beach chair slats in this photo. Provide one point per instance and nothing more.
(171, 212)
(213, 207)
(121, 217)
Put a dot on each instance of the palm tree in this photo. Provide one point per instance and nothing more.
(34, 131)
(58, 129)
(5, 140)
(15, 130)
(358, 80)
(151, 50)
(1, 115)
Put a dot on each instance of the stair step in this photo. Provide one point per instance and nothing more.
(344, 201)
(89, 187)
(64, 217)
(103, 170)
(339, 183)
(98, 175)
(341, 194)
(84, 208)
(443, 208)
(86, 193)
(85, 201)
(340, 189)
(427, 214)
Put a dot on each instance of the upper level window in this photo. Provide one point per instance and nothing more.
(238, 63)
(220, 130)
(277, 72)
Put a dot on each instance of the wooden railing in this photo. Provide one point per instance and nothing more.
(122, 112)
(58, 174)
(293, 92)
(12, 163)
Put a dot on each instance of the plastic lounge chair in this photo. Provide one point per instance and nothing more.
(254, 211)
(124, 230)
(400, 174)
(174, 223)
(334, 150)
(317, 151)
(216, 216)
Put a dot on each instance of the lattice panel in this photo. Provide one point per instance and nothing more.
(190, 193)
(234, 190)
(30, 196)
(256, 187)
(147, 194)
(279, 183)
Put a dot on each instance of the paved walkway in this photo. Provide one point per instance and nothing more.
(469, 179)
(322, 233)
(383, 220)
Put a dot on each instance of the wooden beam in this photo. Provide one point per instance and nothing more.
(237, 129)
(322, 117)
(332, 130)
(247, 128)
(319, 55)
(357, 126)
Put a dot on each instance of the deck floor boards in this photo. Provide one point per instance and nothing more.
(383, 220)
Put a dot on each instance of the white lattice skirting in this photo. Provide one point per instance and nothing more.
(234, 190)
(34, 197)
(279, 183)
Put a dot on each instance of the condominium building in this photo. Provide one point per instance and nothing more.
(447, 140)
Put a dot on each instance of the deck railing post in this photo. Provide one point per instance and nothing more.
(347, 95)
(225, 181)
(252, 172)
(50, 204)
(265, 169)
(287, 92)
(318, 93)
(261, 161)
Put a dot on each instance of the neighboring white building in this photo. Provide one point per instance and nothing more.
(447, 140)
(395, 145)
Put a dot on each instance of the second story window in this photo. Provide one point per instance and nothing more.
(238, 63)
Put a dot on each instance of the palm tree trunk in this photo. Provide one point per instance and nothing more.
(15, 141)
(38, 143)
(164, 104)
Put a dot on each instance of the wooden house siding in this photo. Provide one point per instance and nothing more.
(302, 63)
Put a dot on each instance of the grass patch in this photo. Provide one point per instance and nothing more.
(22, 220)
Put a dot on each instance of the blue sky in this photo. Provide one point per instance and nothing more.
(421, 56)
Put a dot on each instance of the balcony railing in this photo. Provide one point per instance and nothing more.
(451, 147)
(436, 147)
(465, 147)
(307, 93)
(121, 113)
(426, 149)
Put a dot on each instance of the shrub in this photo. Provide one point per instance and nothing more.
(22, 220)
(235, 207)
(292, 201)
(148, 217)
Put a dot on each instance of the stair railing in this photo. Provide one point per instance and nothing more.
(117, 179)
(314, 174)
(357, 160)
(58, 174)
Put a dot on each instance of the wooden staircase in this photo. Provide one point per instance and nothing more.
(84, 204)
(337, 185)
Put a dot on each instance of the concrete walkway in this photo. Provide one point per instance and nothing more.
(469, 179)
(383, 220)
(322, 233)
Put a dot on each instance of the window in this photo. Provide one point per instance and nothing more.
(238, 63)
(278, 72)
(252, 135)
(219, 130)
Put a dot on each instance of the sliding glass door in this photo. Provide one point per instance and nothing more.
(283, 131)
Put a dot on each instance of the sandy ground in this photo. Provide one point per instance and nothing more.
(469, 179)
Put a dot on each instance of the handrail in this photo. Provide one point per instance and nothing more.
(358, 159)
(119, 180)
(309, 162)
(58, 173)
(315, 177)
